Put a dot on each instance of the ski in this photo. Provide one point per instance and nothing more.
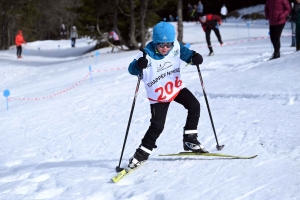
(209, 154)
(127, 171)
(123, 173)
(120, 175)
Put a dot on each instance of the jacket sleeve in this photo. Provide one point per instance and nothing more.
(267, 11)
(23, 41)
(133, 69)
(286, 9)
(185, 53)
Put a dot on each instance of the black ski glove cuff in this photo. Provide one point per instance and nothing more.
(197, 58)
(142, 63)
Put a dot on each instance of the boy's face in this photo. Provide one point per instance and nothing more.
(164, 48)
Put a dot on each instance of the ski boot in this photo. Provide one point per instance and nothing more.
(275, 56)
(190, 142)
(211, 52)
(140, 156)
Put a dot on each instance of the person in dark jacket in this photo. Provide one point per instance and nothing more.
(190, 10)
(298, 31)
(276, 11)
(160, 72)
(211, 22)
(294, 13)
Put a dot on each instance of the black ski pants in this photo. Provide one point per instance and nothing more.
(275, 33)
(159, 113)
(19, 51)
(207, 35)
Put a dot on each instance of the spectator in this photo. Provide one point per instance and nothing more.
(211, 22)
(199, 10)
(276, 11)
(298, 31)
(19, 41)
(293, 21)
(171, 18)
(63, 32)
(116, 39)
(73, 36)
(224, 13)
(190, 10)
(193, 14)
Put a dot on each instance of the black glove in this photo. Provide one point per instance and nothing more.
(142, 63)
(197, 59)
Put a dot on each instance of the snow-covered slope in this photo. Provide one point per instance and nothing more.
(63, 133)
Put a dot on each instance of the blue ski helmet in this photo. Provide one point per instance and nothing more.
(163, 32)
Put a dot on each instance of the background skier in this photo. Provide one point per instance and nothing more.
(161, 76)
(19, 40)
(211, 22)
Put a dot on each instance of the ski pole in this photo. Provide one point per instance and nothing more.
(211, 120)
(118, 168)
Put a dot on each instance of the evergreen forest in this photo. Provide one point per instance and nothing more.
(130, 19)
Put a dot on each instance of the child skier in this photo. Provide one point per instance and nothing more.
(160, 72)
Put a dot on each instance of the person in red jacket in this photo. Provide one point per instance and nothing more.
(19, 41)
(211, 22)
(276, 12)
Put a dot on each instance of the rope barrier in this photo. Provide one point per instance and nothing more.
(108, 70)
(65, 90)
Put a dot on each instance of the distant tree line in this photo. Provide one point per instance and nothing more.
(130, 19)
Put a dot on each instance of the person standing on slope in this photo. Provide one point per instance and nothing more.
(19, 40)
(298, 31)
(190, 10)
(276, 12)
(73, 36)
(224, 13)
(160, 72)
(63, 32)
(211, 22)
(116, 41)
(294, 12)
(199, 10)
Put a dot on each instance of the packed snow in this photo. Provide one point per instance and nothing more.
(64, 122)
